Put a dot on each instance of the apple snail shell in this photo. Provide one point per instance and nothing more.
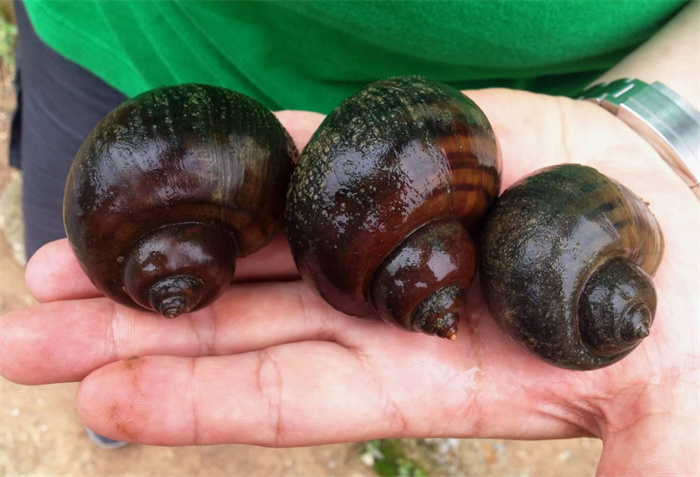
(566, 260)
(382, 197)
(169, 188)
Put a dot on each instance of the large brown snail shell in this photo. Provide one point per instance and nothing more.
(382, 197)
(171, 187)
(566, 261)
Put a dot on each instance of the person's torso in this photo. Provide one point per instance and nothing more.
(310, 55)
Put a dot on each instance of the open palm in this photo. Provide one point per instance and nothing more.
(271, 364)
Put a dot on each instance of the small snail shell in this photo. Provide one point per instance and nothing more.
(172, 186)
(380, 198)
(565, 263)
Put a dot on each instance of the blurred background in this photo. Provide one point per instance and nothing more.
(40, 433)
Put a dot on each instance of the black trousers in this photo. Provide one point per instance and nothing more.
(58, 104)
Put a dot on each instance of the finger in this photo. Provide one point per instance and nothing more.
(303, 394)
(54, 274)
(65, 341)
(62, 342)
(277, 397)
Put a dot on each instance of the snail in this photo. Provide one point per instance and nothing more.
(381, 201)
(566, 260)
(169, 188)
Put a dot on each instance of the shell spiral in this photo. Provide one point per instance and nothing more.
(566, 261)
(380, 202)
(169, 188)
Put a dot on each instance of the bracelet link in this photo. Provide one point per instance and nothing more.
(668, 122)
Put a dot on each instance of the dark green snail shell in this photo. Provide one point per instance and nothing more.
(169, 188)
(382, 197)
(566, 260)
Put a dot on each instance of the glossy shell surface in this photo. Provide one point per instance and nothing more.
(545, 238)
(190, 154)
(396, 156)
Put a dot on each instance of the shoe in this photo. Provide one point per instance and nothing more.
(104, 442)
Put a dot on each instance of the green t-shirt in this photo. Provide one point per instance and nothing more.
(310, 55)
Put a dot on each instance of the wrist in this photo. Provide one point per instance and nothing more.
(670, 57)
(652, 433)
(655, 445)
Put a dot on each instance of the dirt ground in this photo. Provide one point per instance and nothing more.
(40, 433)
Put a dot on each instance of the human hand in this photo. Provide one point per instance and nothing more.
(271, 364)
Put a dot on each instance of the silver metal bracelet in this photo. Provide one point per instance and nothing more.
(662, 117)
